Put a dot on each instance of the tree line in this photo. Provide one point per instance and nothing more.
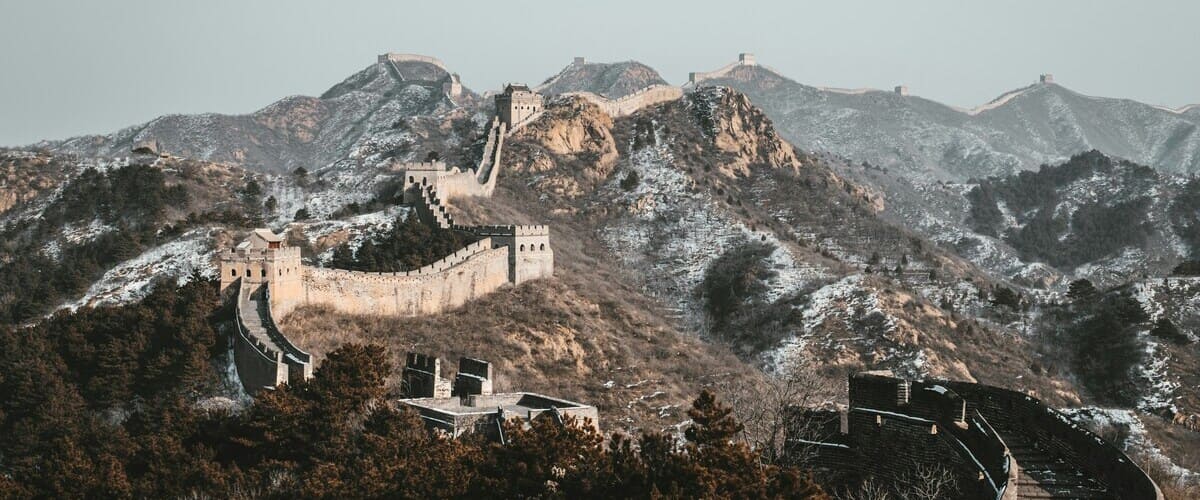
(111, 402)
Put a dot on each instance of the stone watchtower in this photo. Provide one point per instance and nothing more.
(264, 259)
(517, 103)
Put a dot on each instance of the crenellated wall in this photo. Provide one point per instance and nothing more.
(271, 279)
(468, 274)
(893, 424)
(630, 104)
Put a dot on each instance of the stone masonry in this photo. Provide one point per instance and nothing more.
(269, 279)
(998, 444)
(468, 405)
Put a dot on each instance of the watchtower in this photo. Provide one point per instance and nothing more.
(579, 61)
(747, 59)
(1046, 78)
(264, 258)
(902, 90)
(517, 103)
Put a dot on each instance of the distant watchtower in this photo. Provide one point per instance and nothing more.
(747, 59)
(517, 103)
(902, 90)
(1047, 78)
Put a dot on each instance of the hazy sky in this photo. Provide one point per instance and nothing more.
(70, 68)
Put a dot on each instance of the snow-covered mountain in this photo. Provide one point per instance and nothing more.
(1092, 217)
(1020, 130)
(296, 131)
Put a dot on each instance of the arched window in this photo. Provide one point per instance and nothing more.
(424, 181)
(542, 246)
(522, 248)
(280, 272)
(233, 272)
(412, 179)
(264, 273)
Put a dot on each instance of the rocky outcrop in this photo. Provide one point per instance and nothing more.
(24, 175)
(570, 148)
(742, 130)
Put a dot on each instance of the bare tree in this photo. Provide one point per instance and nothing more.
(868, 490)
(768, 410)
(929, 482)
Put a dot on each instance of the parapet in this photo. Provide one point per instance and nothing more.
(420, 166)
(422, 377)
(510, 230)
(474, 378)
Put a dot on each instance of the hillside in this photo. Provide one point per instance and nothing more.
(713, 176)
(1091, 216)
(612, 80)
(368, 108)
(927, 140)
(694, 245)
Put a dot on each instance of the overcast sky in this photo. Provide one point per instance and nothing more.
(78, 67)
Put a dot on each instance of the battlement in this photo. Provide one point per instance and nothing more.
(470, 406)
(509, 230)
(423, 362)
(998, 443)
(260, 253)
(631, 103)
(420, 166)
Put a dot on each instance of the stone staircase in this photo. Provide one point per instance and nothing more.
(1046, 473)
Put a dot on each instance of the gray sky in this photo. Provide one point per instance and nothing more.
(71, 68)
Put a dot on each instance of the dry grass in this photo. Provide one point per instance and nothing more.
(547, 337)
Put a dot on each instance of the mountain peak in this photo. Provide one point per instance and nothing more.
(744, 69)
(613, 80)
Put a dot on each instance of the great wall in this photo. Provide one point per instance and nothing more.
(995, 442)
(267, 279)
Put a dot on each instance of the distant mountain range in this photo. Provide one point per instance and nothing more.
(1039, 124)
(1043, 123)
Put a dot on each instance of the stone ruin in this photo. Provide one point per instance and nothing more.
(996, 443)
(469, 405)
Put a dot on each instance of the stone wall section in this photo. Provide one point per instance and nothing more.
(631, 103)
(449, 283)
(264, 357)
(893, 424)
